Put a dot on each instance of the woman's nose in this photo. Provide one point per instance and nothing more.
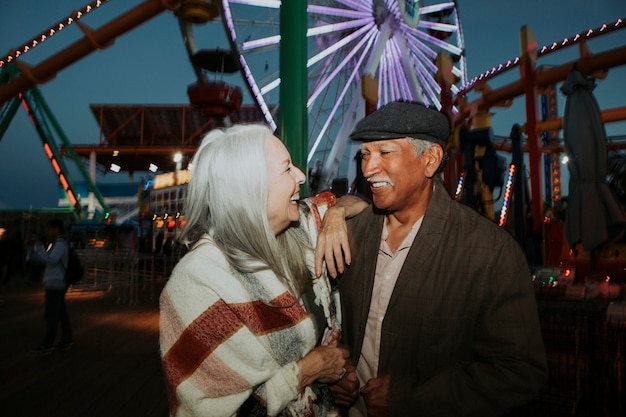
(299, 176)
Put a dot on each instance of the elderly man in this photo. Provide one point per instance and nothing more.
(438, 304)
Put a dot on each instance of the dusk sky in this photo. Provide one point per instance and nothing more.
(149, 65)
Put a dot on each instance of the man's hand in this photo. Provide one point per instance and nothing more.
(376, 396)
(346, 390)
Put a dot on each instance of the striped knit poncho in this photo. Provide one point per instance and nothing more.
(222, 343)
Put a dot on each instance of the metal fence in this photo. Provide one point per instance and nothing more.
(586, 360)
(125, 274)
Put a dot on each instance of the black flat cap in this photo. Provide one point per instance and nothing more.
(400, 119)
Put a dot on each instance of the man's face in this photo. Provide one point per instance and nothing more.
(395, 174)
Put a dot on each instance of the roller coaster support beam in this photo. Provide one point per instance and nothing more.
(530, 81)
(519, 193)
(98, 39)
(544, 77)
(607, 115)
(527, 76)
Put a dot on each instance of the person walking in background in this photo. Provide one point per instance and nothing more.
(246, 328)
(438, 304)
(55, 258)
(34, 269)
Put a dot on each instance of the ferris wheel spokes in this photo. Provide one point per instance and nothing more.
(354, 75)
(393, 46)
(340, 66)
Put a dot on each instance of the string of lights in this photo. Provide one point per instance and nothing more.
(53, 30)
(545, 50)
(504, 212)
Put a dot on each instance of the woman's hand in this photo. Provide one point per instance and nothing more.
(332, 241)
(324, 364)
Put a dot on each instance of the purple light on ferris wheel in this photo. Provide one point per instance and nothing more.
(318, 30)
(346, 87)
(336, 27)
(339, 67)
(399, 79)
(260, 43)
(442, 27)
(333, 11)
(436, 8)
(257, 93)
(403, 69)
(387, 66)
(248, 74)
(382, 82)
(427, 85)
(422, 51)
(453, 49)
(357, 5)
(271, 86)
(423, 63)
(344, 41)
(272, 4)
(393, 88)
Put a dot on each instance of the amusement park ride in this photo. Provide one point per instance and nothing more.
(360, 54)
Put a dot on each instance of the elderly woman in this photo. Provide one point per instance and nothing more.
(246, 326)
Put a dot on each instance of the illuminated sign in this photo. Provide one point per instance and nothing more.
(169, 179)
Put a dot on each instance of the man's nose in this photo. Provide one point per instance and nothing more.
(370, 166)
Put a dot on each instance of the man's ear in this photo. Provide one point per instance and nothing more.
(432, 156)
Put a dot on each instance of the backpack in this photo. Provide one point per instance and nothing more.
(74, 271)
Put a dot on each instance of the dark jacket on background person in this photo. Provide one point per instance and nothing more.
(461, 334)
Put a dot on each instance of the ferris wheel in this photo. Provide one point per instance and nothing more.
(393, 44)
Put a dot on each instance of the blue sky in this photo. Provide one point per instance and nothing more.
(149, 65)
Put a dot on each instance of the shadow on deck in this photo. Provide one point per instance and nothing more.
(113, 369)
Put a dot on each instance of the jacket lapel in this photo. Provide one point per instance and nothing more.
(426, 241)
(368, 244)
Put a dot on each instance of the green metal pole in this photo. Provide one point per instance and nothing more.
(293, 125)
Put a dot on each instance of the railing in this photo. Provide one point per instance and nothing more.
(586, 352)
(125, 274)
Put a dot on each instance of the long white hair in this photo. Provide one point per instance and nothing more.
(227, 199)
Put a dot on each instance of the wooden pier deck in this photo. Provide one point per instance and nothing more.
(113, 369)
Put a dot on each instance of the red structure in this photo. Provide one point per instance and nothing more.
(534, 79)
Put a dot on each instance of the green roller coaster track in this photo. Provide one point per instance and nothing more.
(52, 137)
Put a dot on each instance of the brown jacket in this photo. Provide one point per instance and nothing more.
(461, 335)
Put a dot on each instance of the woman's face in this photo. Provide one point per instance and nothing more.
(284, 181)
